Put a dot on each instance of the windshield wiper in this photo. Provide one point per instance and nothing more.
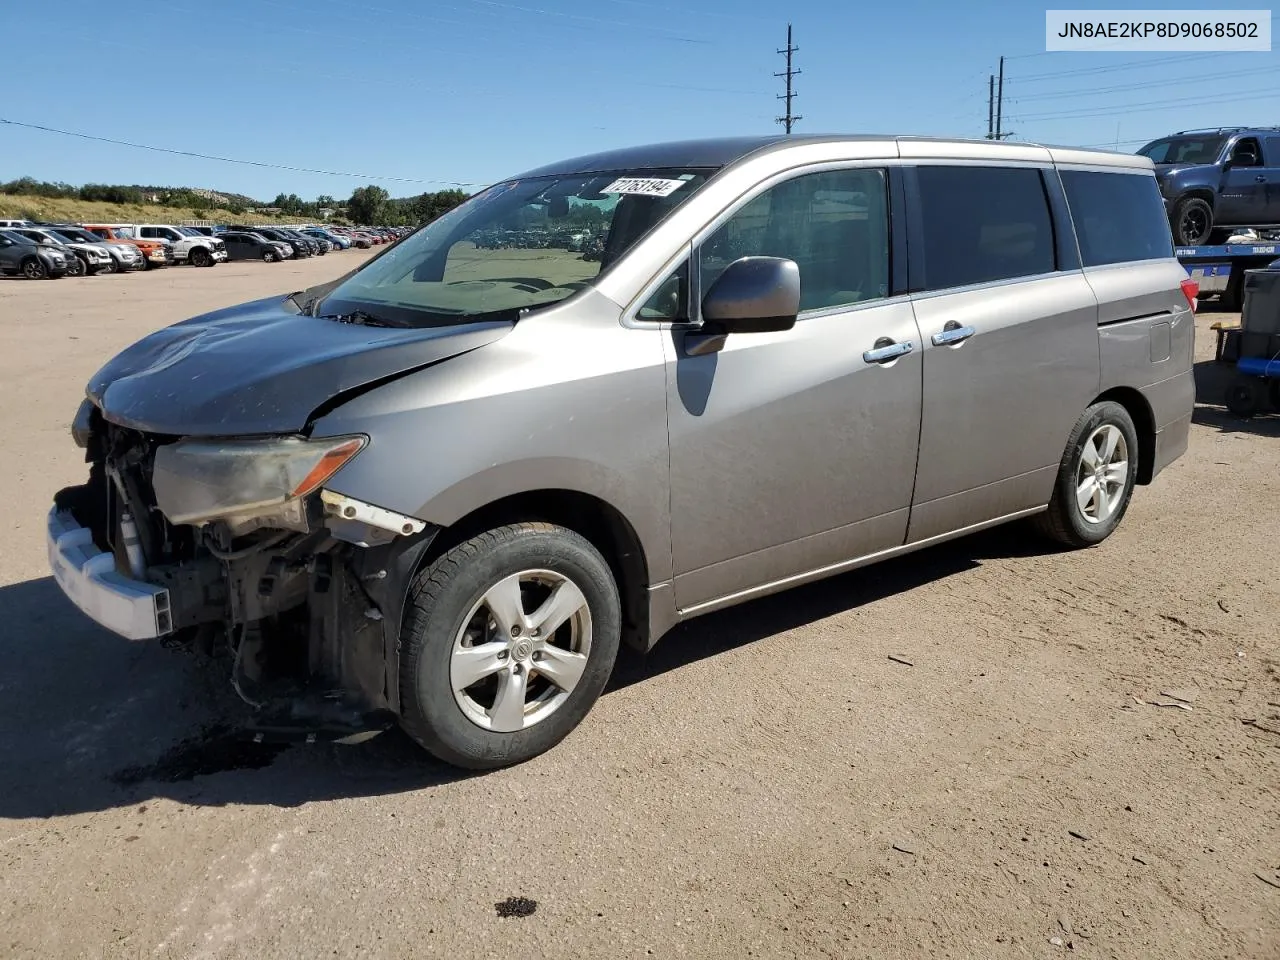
(362, 317)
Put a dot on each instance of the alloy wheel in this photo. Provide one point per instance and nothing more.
(521, 651)
(1102, 474)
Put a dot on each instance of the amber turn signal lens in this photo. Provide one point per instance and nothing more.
(329, 464)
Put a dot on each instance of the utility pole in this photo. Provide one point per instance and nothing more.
(991, 106)
(1000, 102)
(788, 120)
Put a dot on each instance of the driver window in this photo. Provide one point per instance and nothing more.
(834, 225)
(1246, 153)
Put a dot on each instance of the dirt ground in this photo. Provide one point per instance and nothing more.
(767, 783)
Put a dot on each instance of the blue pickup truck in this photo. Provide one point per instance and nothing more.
(1215, 180)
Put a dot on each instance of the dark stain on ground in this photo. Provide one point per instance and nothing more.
(516, 907)
(215, 750)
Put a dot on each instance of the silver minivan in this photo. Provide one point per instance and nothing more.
(610, 394)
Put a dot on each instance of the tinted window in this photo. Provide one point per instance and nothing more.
(834, 225)
(1246, 153)
(1119, 217)
(1271, 151)
(982, 224)
(1184, 149)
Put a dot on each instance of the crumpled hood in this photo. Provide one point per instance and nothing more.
(262, 368)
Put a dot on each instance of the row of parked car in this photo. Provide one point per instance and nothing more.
(50, 250)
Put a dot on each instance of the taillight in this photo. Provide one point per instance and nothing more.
(1190, 290)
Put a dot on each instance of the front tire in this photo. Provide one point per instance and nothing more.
(508, 640)
(200, 257)
(1095, 478)
(1192, 222)
(33, 268)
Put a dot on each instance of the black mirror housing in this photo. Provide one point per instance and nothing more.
(754, 295)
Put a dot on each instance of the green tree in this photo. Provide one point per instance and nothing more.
(368, 205)
(428, 206)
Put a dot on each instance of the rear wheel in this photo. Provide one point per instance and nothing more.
(1192, 221)
(33, 268)
(508, 640)
(1095, 478)
(1243, 398)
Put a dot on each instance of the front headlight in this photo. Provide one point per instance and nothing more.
(197, 481)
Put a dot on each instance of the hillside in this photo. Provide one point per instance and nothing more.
(30, 207)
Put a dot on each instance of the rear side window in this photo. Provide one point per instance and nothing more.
(983, 224)
(1119, 217)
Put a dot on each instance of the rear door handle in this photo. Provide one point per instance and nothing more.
(951, 335)
(1260, 179)
(887, 351)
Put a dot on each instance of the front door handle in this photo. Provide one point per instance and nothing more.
(952, 334)
(886, 350)
(1260, 179)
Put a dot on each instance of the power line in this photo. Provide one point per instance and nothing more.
(1112, 68)
(789, 120)
(1085, 113)
(250, 163)
(1071, 94)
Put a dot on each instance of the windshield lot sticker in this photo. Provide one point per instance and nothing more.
(644, 186)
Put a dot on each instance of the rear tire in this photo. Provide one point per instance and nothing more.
(455, 605)
(1192, 222)
(1243, 399)
(1095, 478)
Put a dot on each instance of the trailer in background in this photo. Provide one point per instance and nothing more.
(1220, 270)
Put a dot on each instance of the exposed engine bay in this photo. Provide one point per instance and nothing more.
(301, 594)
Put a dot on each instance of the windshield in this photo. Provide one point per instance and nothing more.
(1184, 149)
(189, 232)
(518, 245)
(78, 236)
(123, 232)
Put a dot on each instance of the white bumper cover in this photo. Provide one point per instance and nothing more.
(88, 576)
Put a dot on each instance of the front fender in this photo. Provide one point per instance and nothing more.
(555, 405)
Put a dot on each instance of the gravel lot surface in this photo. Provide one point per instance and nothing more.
(769, 782)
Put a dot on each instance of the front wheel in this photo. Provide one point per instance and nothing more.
(508, 640)
(75, 267)
(269, 257)
(33, 268)
(200, 257)
(1095, 478)
(1192, 222)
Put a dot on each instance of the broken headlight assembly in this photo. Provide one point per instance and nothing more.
(247, 484)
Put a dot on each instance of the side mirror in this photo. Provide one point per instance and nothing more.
(754, 295)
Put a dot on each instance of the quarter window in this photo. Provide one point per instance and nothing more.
(983, 224)
(834, 225)
(1119, 217)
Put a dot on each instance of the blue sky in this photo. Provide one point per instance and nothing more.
(473, 90)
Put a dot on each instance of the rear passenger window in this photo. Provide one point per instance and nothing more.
(1119, 217)
(983, 224)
